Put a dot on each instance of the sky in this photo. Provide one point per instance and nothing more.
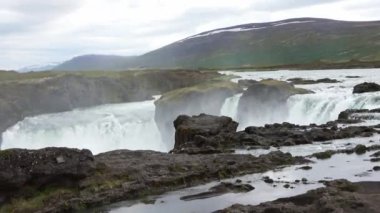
(39, 32)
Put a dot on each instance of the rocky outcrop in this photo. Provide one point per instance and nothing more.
(206, 132)
(212, 134)
(309, 81)
(366, 87)
(119, 175)
(40, 168)
(31, 94)
(265, 101)
(203, 98)
(337, 196)
(357, 115)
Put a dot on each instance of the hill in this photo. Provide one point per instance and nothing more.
(292, 43)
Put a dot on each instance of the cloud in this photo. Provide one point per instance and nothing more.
(276, 5)
(41, 31)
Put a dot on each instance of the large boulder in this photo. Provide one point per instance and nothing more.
(20, 167)
(265, 102)
(366, 87)
(204, 98)
(206, 132)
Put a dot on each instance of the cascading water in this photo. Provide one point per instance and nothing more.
(100, 129)
(322, 106)
(132, 125)
(230, 106)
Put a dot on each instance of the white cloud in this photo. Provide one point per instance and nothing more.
(40, 31)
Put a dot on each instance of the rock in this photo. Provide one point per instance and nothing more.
(376, 168)
(366, 87)
(375, 159)
(267, 179)
(202, 130)
(208, 134)
(337, 196)
(244, 83)
(20, 167)
(305, 167)
(265, 101)
(350, 116)
(376, 154)
(323, 155)
(132, 175)
(191, 101)
(360, 149)
(309, 81)
(220, 189)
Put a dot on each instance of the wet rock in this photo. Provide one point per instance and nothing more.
(286, 186)
(366, 87)
(305, 167)
(376, 154)
(40, 168)
(350, 116)
(124, 175)
(309, 81)
(375, 159)
(220, 189)
(202, 131)
(360, 149)
(267, 179)
(245, 83)
(323, 155)
(337, 196)
(376, 168)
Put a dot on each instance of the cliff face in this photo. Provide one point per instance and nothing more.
(57, 93)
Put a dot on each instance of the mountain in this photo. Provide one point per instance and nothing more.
(96, 62)
(39, 67)
(289, 43)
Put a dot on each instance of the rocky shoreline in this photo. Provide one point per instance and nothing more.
(337, 196)
(53, 180)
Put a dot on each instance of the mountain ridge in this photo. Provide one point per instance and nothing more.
(285, 43)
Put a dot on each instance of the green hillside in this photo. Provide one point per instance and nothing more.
(289, 43)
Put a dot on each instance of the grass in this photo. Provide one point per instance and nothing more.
(38, 200)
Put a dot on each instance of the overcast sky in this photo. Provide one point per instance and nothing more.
(34, 32)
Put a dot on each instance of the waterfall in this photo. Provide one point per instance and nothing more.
(230, 106)
(100, 129)
(323, 107)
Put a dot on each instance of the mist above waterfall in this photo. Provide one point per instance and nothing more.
(133, 125)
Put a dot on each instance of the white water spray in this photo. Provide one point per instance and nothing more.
(100, 129)
(230, 106)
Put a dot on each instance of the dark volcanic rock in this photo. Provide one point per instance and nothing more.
(338, 196)
(265, 101)
(39, 168)
(202, 130)
(357, 115)
(366, 87)
(212, 134)
(220, 189)
(308, 81)
(122, 175)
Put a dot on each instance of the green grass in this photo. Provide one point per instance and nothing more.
(37, 201)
